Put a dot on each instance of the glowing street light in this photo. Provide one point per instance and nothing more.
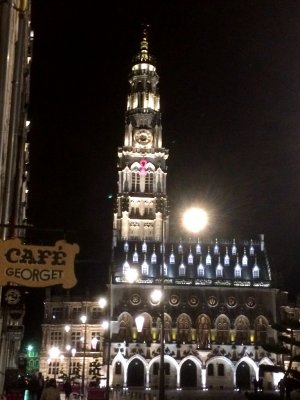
(54, 353)
(195, 219)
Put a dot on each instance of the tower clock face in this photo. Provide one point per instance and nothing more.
(143, 137)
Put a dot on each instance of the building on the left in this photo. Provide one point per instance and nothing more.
(15, 54)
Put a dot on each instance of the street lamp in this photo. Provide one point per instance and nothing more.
(83, 319)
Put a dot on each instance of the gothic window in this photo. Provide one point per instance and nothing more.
(183, 328)
(242, 330)
(260, 325)
(222, 326)
(126, 247)
(210, 369)
(180, 248)
(155, 368)
(203, 331)
(220, 369)
(53, 368)
(118, 368)
(135, 181)
(125, 325)
(149, 182)
(148, 231)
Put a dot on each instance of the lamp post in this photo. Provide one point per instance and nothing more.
(83, 319)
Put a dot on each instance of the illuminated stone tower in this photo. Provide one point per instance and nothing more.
(142, 199)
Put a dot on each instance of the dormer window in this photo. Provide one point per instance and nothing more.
(153, 258)
(219, 271)
(208, 258)
(190, 258)
(145, 268)
(198, 248)
(165, 270)
(226, 258)
(200, 270)
(216, 247)
(126, 267)
(180, 248)
(251, 249)
(172, 258)
(237, 271)
(233, 248)
(126, 247)
(144, 247)
(135, 257)
(182, 270)
(255, 270)
(244, 259)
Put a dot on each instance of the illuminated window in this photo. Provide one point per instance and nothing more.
(135, 181)
(153, 258)
(172, 258)
(198, 248)
(200, 270)
(255, 271)
(219, 271)
(237, 271)
(190, 259)
(182, 270)
(55, 338)
(145, 268)
(233, 248)
(135, 257)
(118, 368)
(149, 182)
(126, 267)
(208, 259)
(244, 260)
(144, 247)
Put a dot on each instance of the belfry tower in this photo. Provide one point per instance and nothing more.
(141, 211)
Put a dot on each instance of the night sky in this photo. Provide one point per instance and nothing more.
(230, 95)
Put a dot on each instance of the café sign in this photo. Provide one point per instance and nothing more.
(37, 266)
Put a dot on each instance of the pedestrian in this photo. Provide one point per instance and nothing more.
(51, 392)
(41, 384)
(67, 388)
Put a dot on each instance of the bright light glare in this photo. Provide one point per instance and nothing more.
(195, 219)
(139, 321)
(83, 319)
(105, 325)
(54, 352)
(156, 296)
(131, 275)
(102, 302)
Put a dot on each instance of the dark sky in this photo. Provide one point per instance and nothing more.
(230, 96)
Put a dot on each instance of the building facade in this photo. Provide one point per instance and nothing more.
(218, 302)
(15, 54)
